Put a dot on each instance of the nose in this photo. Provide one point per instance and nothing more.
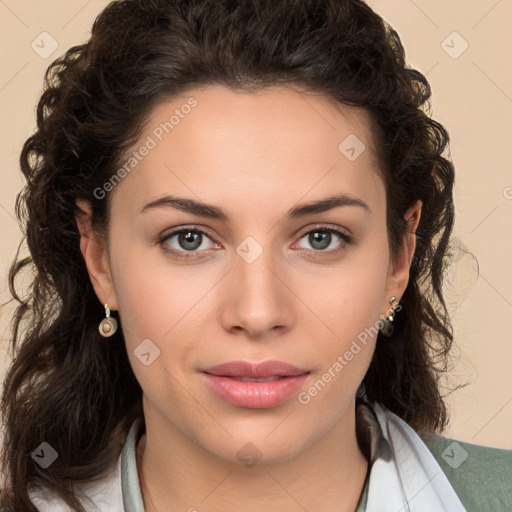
(258, 300)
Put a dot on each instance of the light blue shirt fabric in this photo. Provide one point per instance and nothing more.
(132, 496)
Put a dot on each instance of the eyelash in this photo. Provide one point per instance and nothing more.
(346, 239)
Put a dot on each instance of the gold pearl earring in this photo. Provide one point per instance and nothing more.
(108, 325)
(391, 317)
(387, 327)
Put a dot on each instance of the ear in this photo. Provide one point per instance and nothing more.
(398, 274)
(94, 251)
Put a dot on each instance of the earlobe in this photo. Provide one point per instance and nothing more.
(94, 251)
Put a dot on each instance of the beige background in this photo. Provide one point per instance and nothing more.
(472, 97)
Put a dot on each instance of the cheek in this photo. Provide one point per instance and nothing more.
(347, 298)
(160, 303)
(150, 311)
(148, 297)
(350, 309)
(347, 301)
(140, 304)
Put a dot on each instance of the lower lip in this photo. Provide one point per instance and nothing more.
(254, 395)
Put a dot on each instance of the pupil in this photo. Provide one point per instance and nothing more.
(189, 240)
(324, 238)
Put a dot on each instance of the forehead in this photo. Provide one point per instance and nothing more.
(289, 113)
(217, 144)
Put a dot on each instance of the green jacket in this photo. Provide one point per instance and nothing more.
(483, 480)
(480, 475)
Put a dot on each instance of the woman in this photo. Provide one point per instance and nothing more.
(238, 215)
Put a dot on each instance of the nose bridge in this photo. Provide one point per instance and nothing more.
(258, 297)
(254, 266)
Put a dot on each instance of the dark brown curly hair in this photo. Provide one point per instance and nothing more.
(66, 386)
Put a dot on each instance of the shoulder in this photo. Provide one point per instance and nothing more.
(480, 475)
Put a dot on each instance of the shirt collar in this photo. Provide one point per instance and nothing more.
(132, 496)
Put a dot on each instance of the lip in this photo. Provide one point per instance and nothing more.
(222, 380)
(255, 370)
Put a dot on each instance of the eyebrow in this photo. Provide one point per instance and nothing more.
(213, 212)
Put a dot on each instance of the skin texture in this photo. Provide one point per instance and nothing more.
(255, 155)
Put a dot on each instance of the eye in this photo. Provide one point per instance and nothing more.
(326, 239)
(185, 242)
(190, 242)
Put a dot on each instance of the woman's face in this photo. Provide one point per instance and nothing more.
(259, 276)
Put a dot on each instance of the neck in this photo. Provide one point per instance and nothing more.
(327, 476)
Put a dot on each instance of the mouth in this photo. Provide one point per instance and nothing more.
(255, 379)
(264, 370)
(255, 385)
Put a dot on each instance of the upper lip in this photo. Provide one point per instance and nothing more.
(257, 370)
